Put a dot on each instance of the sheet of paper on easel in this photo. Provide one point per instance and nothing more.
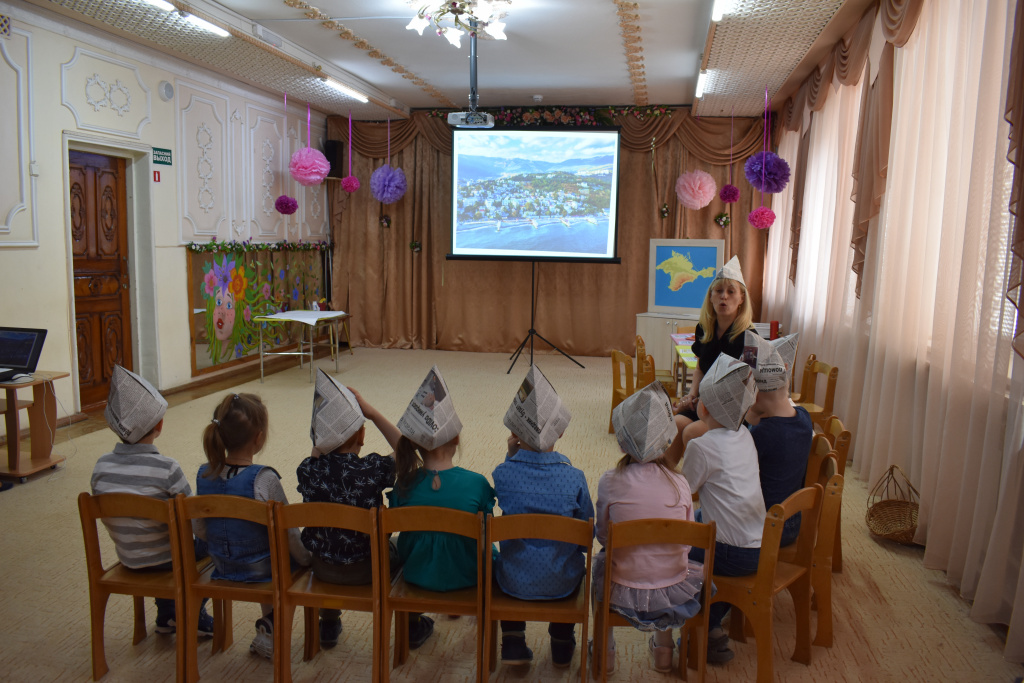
(305, 317)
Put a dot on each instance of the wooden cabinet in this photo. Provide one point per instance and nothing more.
(655, 328)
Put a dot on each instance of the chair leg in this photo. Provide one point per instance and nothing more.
(223, 630)
(311, 639)
(739, 625)
(490, 662)
(801, 592)
(822, 581)
(385, 642)
(139, 633)
(98, 611)
(401, 637)
(190, 628)
(762, 623)
(837, 549)
(283, 618)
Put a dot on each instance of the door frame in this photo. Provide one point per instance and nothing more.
(141, 250)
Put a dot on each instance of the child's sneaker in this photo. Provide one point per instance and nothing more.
(166, 623)
(330, 629)
(263, 643)
(205, 624)
(420, 628)
(594, 664)
(662, 656)
(718, 647)
(514, 650)
(562, 651)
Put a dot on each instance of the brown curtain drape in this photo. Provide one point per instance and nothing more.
(1015, 116)
(899, 18)
(403, 299)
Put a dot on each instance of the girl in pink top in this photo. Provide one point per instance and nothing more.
(653, 586)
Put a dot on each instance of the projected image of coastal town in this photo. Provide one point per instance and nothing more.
(535, 193)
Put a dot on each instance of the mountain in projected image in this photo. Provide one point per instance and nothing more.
(475, 168)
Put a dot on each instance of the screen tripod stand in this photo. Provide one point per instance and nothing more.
(534, 333)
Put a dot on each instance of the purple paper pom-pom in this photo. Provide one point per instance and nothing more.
(729, 194)
(309, 166)
(388, 184)
(770, 167)
(286, 205)
(761, 218)
(695, 189)
(350, 183)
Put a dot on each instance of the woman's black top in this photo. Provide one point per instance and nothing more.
(707, 352)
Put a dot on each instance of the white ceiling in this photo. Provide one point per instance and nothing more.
(571, 52)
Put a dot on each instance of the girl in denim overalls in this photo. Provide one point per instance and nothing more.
(240, 549)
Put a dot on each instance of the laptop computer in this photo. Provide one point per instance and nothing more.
(19, 351)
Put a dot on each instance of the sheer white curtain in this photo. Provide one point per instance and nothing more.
(929, 342)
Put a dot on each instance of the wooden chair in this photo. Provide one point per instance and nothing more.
(200, 584)
(820, 450)
(681, 371)
(819, 413)
(120, 580)
(808, 366)
(657, 531)
(306, 591)
(622, 381)
(574, 609)
(403, 597)
(841, 440)
(646, 369)
(753, 597)
(821, 557)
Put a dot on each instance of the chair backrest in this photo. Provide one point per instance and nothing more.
(808, 392)
(646, 374)
(831, 505)
(641, 352)
(820, 450)
(841, 440)
(622, 374)
(108, 505)
(207, 506)
(807, 380)
(806, 501)
(428, 518)
(331, 515)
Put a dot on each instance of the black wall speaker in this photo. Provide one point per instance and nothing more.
(333, 150)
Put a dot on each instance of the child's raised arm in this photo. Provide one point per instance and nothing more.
(389, 430)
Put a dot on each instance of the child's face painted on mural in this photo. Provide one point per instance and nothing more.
(224, 314)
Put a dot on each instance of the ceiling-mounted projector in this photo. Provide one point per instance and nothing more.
(470, 119)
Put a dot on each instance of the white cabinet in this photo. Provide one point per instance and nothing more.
(655, 328)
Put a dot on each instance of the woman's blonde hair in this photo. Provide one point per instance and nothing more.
(709, 319)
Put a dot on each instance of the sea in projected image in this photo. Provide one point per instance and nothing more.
(576, 234)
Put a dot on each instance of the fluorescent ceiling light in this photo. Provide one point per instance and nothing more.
(342, 88)
(701, 82)
(720, 9)
(161, 4)
(206, 26)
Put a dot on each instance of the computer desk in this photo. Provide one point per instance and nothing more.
(42, 425)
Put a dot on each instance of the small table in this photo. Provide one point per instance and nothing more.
(42, 424)
(312, 320)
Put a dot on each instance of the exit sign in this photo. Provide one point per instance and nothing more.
(161, 156)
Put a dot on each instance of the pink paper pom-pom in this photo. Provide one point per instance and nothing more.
(761, 218)
(696, 189)
(286, 205)
(309, 166)
(350, 184)
(729, 194)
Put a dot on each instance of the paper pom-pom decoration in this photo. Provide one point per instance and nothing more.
(350, 183)
(767, 172)
(387, 184)
(696, 189)
(761, 218)
(309, 166)
(286, 205)
(729, 194)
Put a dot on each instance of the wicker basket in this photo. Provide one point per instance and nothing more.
(892, 507)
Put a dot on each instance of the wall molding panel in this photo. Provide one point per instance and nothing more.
(205, 165)
(105, 94)
(20, 226)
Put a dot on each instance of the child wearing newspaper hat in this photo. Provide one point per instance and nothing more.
(426, 475)
(336, 473)
(536, 479)
(721, 466)
(656, 588)
(724, 317)
(135, 411)
(240, 549)
(782, 432)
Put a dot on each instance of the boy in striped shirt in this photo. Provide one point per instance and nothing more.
(135, 411)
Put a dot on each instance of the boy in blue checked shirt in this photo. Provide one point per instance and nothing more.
(536, 479)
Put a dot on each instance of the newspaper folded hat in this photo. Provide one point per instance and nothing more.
(134, 406)
(786, 346)
(770, 370)
(731, 271)
(336, 413)
(537, 415)
(727, 390)
(643, 423)
(430, 420)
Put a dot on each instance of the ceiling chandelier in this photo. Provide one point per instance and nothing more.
(454, 18)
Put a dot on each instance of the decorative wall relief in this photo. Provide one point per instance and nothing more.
(204, 166)
(18, 217)
(266, 166)
(105, 94)
(313, 201)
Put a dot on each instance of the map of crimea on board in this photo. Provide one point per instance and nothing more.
(682, 278)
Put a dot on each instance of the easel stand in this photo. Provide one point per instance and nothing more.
(533, 333)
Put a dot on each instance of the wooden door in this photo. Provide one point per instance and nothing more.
(99, 243)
